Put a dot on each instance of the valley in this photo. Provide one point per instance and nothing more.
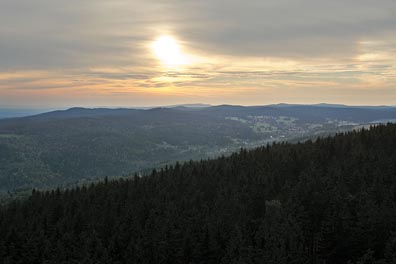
(70, 147)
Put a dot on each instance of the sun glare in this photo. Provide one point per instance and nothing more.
(167, 50)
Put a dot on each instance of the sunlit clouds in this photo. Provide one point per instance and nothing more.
(132, 53)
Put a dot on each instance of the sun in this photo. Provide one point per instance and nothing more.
(167, 50)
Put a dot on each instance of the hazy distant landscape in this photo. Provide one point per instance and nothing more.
(73, 146)
(15, 112)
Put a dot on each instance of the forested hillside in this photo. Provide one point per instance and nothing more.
(67, 147)
(62, 148)
(328, 201)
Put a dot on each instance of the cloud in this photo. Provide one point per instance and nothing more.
(246, 49)
(275, 28)
(73, 33)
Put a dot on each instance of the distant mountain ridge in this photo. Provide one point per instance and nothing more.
(88, 111)
(69, 146)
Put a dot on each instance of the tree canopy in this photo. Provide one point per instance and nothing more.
(332, 200)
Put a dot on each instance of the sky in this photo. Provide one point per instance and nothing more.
(119, 53)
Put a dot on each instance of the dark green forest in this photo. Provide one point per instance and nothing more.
(332, 200)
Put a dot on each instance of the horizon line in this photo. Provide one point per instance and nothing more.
(192, 105)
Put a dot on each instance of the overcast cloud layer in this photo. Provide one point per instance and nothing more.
(97, 52)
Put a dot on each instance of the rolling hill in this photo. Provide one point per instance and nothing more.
(72, 146)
